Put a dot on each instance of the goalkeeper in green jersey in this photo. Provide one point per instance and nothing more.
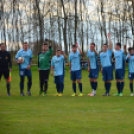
(44, 67)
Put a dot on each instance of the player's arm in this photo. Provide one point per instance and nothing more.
(50, 50)
(88, 65)
(30, 62)
(125, 50)
(110, 42)
(96, 53)
(70, 67)
(79, 49)
(65, 56)
(52, 70)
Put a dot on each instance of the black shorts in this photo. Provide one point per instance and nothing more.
(44, 75)
(5, 72)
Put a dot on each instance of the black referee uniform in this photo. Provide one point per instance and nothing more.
(5, 64)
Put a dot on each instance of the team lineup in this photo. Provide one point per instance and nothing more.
(57, 68)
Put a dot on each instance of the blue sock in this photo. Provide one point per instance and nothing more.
(62, 87)
(74, 87)
(92, 85)
(57, 87)
(95, 85)
(131, 87)
(121, 87)
(80, 87)
(106, 87)
(118, 87)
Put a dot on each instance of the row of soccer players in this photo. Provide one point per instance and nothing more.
(57, 67)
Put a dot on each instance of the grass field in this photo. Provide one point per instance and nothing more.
(65, 115)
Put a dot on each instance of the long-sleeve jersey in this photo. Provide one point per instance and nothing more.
(5, 59)
(43, 59)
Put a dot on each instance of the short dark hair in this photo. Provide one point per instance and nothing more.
(105, 44)
(45, 43)
(92, 44)
(58, 50)
(2, 44)
(130, 48)
(118, 44)
(73, 46)
(24, 43)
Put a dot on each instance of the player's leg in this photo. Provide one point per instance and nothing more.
(131, 77)
(78, 77)
(6, 75)
(41, 79)
(22, 78)
(91, 80)
(73, 78)
(29, 85)
(57, 85)
(104, 75)
(108, 87)
(95, 86)
(80, 86)
(61, 85)
(131, 87)
(46, 74)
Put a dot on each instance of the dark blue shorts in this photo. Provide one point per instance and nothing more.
(59, 79)
(131, 76)
(76, 75)
(25, 72)
(93, 73)
(107, 73)
(119, 74)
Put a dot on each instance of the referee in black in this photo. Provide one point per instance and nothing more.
(5, 64)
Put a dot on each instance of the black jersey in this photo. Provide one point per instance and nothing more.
(5, 59)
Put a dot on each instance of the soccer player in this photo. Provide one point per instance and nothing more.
(5, 64)
(120, 59)
(130, 60)
(93, 68)
(106, 65)
(75, 68)
(25, 68)
(57, 64)
(44, 67)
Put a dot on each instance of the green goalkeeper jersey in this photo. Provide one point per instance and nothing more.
(44, 59)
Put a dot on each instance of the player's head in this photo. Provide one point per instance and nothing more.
(45, 47)
(131, 50)
(117, 46)
(3, 47)
(25, 46)
(74, 48)
(92, 46)
(58, 52)
(105, 47)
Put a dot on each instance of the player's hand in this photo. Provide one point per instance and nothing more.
(10, 70)
(62, 52)
(88, 69)
(70, 71)
(125, 47)
(52, 73)
(109, 35)
(20, 61)
(101, 70)
(76, 44)
(38, 70)
(28, 67)
(129, 57)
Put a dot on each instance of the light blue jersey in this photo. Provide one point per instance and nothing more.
(106, 58)
(74, 58)
(130, 63)
(119, 59)
(27, 55)
(93, 58)
(58, 64)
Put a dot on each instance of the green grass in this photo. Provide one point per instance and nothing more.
(65, 115)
